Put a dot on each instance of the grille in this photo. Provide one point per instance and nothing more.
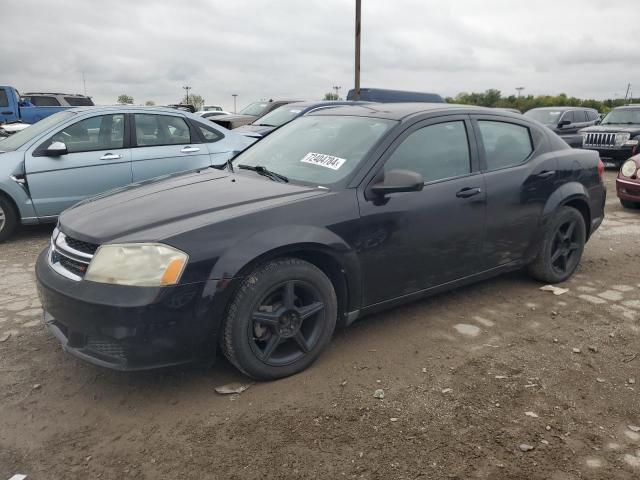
(600, 140)
(75, 267)
(84, 247)
(105, 346)
(70, 257)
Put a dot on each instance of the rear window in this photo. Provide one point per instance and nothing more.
(4, 100)
(79, 101)
(42, 101)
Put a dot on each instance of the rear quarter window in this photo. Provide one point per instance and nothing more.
(44, 101)
(505, 144)
(79, 101)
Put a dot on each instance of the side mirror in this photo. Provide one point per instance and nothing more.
(399, 181)
(56, 149)
(598, 121)
(564, 123)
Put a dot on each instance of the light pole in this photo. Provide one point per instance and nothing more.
(186, 89)
(337, 89)
(356, 93)
(234, 95)
(519, 89)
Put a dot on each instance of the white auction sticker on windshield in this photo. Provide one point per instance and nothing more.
(329, 161)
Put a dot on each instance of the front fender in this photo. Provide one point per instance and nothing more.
(12, 165)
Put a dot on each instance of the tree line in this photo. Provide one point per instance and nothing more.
(494, 98)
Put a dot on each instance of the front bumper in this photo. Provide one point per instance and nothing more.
(123, 327)
(628, 189)
(616, 155)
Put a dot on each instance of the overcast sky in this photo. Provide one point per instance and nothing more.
(299, 49)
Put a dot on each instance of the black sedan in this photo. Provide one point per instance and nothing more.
(335, 215)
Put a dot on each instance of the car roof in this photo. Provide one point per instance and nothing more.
(56, 93)
(324, 103)
(110, 108)
(399, 111)
(563, 109)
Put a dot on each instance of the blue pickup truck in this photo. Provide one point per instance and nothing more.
(14, 109)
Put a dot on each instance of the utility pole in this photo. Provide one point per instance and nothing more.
(234, 95)
(519, 89)
(84, 84)
(627, 93)
(356, 93)
(337, 89)
(186, 89)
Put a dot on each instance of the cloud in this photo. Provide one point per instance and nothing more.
(300, 49)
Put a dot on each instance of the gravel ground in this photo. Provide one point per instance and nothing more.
(496, 380)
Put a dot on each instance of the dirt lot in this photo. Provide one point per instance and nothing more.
(468, 377)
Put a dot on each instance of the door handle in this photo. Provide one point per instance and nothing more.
(110, 156)
(190, 150)
(7, 112)
(468, 192)
(546, 174)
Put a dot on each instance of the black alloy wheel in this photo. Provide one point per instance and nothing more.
(287, 323)
(566, 248)
(561, 247)
(280, 319)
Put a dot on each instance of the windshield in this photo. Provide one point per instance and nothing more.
(321, 150)
(622, 116)
(546, 117)
(279, 116)
(255, 108)
(18, 139)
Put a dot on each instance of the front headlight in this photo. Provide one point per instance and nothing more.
(138, 264)
(628, 168)
(621, 138)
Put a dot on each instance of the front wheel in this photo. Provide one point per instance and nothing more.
(561, 247)
(8, 219)
(280, 320)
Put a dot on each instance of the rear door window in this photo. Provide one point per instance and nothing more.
(4, 99)
(505, 144)
(156, 130)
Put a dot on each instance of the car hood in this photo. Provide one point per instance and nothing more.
(158, 209)
(633, 129)
(231, 118)
(253, 130)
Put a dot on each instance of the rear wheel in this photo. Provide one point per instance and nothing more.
(280, 320)
(628, 204)
(8, 218)
(561, 247)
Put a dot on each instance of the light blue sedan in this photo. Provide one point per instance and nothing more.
(81, 152)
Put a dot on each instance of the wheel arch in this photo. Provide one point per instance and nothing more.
(574, 195)
(318, 246)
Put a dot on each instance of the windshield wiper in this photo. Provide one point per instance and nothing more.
(263, 171)
(263, 125)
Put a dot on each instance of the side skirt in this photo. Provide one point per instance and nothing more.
(427, 292)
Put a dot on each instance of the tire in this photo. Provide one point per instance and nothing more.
(280, 319)
(8, 218)
(561, 247)
(628, 204)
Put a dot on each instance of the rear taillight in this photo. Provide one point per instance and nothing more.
(600, 169)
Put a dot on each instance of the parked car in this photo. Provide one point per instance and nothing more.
(58, 99)
(628, 183)
(84, 151)
(211, 113)
(341, 212)
(281, 115)
(13, 109)
(565, 121)
(7, 129)
(616, 138)
(249, 114)
(383, 95)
